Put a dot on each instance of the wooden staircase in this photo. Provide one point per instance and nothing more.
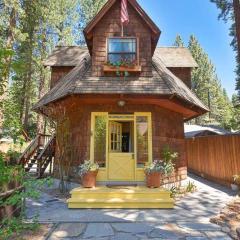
(123, 197)
(39, 155)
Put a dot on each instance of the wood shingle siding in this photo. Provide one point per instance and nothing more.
(110, 26)
(184, 74)
(138, 11)
(58, 73)
(79, 130)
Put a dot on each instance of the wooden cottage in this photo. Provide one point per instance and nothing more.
(120, 100)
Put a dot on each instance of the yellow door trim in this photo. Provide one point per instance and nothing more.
(138, 172)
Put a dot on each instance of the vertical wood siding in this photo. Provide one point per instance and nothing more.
(216, 158)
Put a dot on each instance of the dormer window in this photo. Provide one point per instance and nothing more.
(122, 50)
(122, 56)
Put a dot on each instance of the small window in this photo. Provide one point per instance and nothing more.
(122, 50)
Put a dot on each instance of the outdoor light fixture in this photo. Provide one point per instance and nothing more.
(121, 103)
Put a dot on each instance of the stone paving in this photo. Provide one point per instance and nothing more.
(135, 231)
(189, 220)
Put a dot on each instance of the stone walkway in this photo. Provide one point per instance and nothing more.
(189, 219)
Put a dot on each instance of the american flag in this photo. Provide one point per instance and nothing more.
(124, 13)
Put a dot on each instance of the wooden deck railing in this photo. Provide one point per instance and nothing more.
(216, 158)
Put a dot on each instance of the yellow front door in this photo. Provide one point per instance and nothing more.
(121, 161)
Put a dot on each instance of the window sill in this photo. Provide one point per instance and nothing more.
(136, 68)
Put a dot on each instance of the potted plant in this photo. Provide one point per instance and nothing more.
(88, 173)
(236, 183)
(153, 172)
(168, 160)
(159, 168)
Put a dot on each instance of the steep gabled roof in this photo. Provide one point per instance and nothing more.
(80, 81)
(72, 55)
(89, 28)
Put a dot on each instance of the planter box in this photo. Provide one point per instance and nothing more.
(107, 68)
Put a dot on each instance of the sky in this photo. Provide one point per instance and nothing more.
(198, 17)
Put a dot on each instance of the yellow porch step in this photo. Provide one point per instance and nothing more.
(123, 197)
(120, 203)
(99, 193)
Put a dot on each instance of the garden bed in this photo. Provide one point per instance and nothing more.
(229, 219)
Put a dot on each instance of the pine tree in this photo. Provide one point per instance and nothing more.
(178, 42)
(230, 10)
(32, 30)
(235, 121)
(10, 10)
(90, 8)
(208, 88)
(87, 11)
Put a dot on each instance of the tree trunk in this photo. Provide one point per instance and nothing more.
(42, 83)
(28, 83)
(236, 8)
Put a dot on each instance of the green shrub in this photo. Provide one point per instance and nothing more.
(30, 188)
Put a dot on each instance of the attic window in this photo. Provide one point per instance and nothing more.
(122, 50)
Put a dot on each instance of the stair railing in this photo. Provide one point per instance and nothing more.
(37, 142)
(29, 151)
(46, 155)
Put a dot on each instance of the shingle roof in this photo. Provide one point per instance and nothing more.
(72, 55)
(80, 81)
(176, 86)
(66, 56)
(176, 57)
(195, 130)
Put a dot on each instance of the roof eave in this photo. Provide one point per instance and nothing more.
(197, 110)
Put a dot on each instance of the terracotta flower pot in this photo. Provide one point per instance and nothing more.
(153, 180)
(89, 179)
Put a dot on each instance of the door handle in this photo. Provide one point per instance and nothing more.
(133, 156)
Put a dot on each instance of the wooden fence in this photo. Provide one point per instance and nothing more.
(216, 158)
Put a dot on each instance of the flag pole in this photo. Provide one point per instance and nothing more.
(122, 30)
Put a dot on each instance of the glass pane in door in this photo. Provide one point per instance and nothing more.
(142, 129)
(116, 137)
(100, 140)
